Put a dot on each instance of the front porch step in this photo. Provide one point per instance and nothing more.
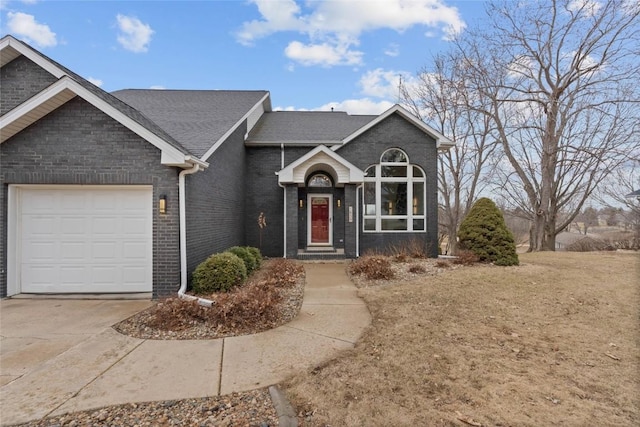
(320, 254)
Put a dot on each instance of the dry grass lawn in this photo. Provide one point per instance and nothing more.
(554, 341)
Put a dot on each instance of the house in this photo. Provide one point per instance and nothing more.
(127, 192)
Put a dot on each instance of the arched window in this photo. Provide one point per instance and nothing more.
(320, 180)
(394, 194)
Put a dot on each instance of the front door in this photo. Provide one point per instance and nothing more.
(320, 230)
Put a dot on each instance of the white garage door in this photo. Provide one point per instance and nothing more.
(85, 240)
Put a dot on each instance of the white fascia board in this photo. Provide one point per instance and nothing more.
(441, 140)
(171, 156)
(223, 138)
(9, 42)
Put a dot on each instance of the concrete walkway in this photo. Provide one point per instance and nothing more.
(59, 356)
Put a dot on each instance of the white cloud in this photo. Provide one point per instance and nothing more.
(358, 106)
(134, 35)
(392, 50)
(25, 26)
(157, 87)
(95, 81)
(339, 23)
(351, 106)
(322, 54)
(587, 7)
(383, 83)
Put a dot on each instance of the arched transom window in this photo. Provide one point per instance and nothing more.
(394, 195)
(320, 180)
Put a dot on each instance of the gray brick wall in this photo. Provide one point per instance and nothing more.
(20, 79)
(216, 202)
(421, 149)
(264, 195)
(78, 144)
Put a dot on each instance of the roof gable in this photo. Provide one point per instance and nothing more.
(442, 142)
(343, 171)
(68, 86)
(66, 89)
(12, 48)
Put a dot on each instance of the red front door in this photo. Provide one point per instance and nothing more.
(320, 220)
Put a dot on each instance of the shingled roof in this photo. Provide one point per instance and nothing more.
(195, 118)
(305, 127)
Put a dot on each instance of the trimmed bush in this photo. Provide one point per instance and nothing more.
(256, 254)
(246, 256)
(485, 233)
(219, 273)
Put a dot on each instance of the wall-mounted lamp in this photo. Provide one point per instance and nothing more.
(162, 204)
(339, 203)
(301, 203)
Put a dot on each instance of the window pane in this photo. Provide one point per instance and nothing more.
(394, 171)
(393, 156)
(393, 198)
(418, 225)
(417, 173)
(394, 224)
(370, 224)
(369, 198)
(370, 172)
(418, 198)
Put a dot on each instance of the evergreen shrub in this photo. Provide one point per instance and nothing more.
(485, 233)
(246, 256)
(219, 273)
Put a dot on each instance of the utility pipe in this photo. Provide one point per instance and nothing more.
(359, 188)
(182, 193)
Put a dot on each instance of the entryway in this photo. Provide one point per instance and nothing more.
(320, 211)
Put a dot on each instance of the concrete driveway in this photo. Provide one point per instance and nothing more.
(36, 334)
(60, 356)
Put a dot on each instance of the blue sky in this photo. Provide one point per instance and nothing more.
(346, 54)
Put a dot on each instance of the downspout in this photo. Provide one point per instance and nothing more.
(358, 190)
(183, 238)
(284, 191)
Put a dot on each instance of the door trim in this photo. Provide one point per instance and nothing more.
(309, 197)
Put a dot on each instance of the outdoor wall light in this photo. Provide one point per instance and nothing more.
(339, 203)
(301, 203)
(162, 204)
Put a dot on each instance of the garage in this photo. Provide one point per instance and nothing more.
(81, 239)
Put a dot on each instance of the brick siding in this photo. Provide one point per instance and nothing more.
(78, 144)
(216, 202)
(21, 79)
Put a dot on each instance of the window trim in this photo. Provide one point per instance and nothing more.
(409, 180)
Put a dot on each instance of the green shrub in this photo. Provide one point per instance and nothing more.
(485, 233)
(219, 272)
(246, 256)
(256, 254)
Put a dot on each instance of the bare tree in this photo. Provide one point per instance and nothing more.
(439, 97)
(561, 78)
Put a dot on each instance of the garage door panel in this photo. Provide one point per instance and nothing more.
(90, 240)
(73, 225)
(73, 251)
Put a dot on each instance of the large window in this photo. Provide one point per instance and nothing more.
(394, 194)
